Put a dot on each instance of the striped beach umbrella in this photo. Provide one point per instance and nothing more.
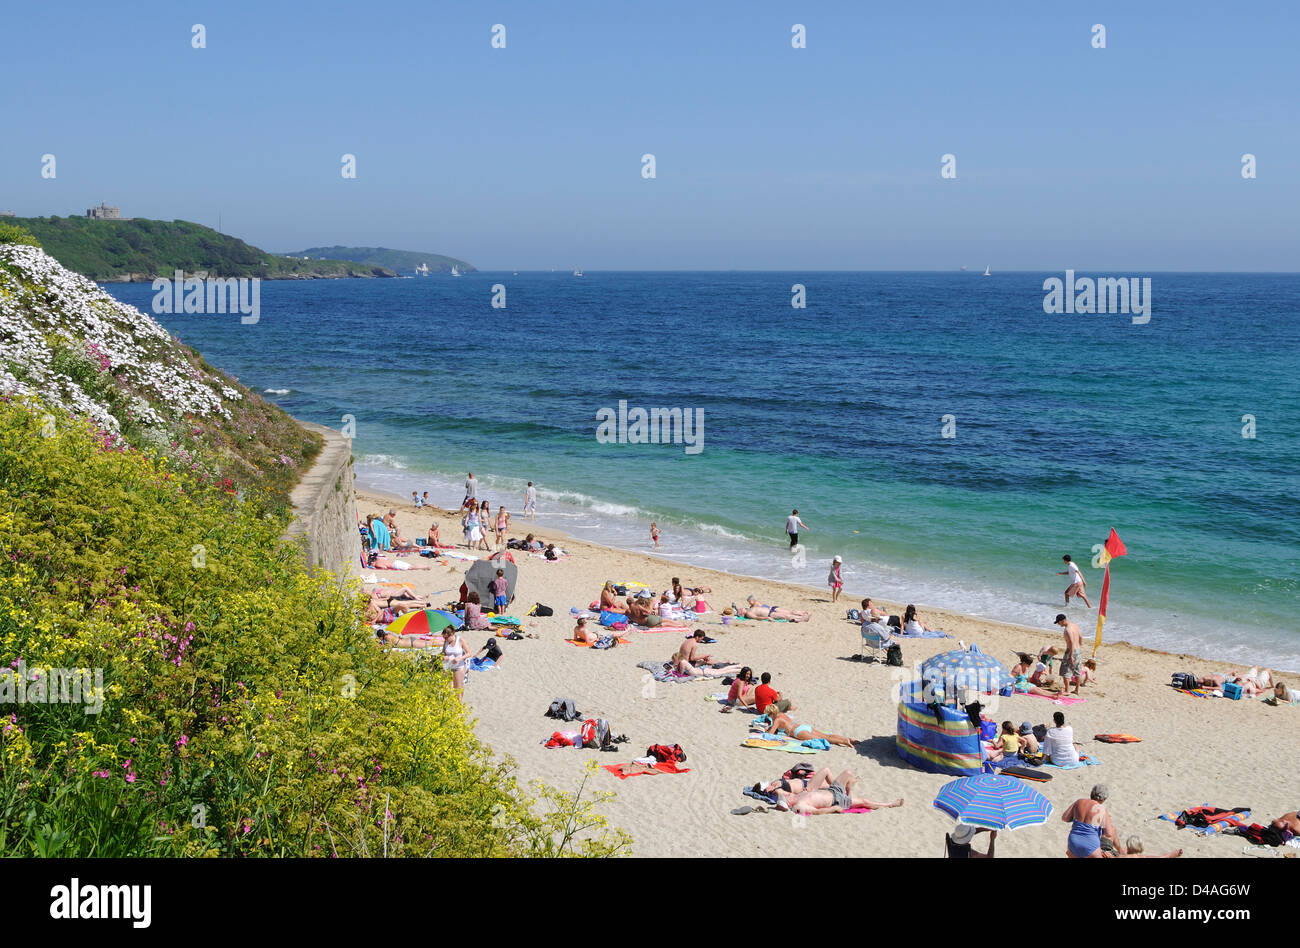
(993, 801)
(965, 669)
(419, 622)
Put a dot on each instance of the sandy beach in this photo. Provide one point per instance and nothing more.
(1226, 753)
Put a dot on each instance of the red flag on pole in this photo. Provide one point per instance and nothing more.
(1112, 548)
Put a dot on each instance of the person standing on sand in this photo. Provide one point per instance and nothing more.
(835, 580)
(792, 526)
(530, 502)
(654, 534)
(471, 492)
(1069, 667)
(1078, 585)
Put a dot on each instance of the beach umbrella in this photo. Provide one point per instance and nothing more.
(455, 620)
(480, 575)
(953, 671)
(420, 622)
(993, 801)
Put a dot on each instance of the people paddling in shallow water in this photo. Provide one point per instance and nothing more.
(784, 726)
(757, 610)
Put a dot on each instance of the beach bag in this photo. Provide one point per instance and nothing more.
(894, 655)
(605, 641)
(988, 729)
(541, 610)
(611, 619)
(1185, 680)
(595, 732)
(855, 616)
(563, 709)
(664, 752)
(896, 622)
(800, 771)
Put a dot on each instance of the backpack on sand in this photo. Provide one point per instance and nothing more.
(894, 655)
(541, 610)
(664, 752)
(563, 709)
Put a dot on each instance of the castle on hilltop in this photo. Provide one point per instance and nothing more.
(105, 213)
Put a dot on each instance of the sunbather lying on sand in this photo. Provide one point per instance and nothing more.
(825, 795)
(397, 603)
(781, 724)
(378, 561)
(756, 610)
(1250, 686)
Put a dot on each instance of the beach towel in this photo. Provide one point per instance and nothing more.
(818, 743)
(1117, 739)
(777, 744)
(1208, 820)
(663, 767)
(1084, 761)
(481, 664)
(927, 634)
(1200, 693)
(680, 629)
(621, 641)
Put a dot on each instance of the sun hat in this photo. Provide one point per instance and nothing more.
(837, 559)
(1026, 728)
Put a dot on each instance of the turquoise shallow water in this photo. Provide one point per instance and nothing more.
(1066, 425)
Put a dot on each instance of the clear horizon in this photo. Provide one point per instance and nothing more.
(1126, 159)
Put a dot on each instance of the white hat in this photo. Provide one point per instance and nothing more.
(837, 559)
(963, 834)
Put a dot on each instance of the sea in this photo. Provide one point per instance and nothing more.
(941, 432)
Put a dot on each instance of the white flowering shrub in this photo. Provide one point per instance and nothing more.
(68, 341)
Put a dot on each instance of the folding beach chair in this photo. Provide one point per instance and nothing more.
(872, 646)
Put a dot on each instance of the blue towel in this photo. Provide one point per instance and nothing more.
(765, 797)
(383, 539)
(818, 743)
(1090, 762)
(481, 664)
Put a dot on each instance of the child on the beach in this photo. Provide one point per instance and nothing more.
(654, 533)
(835, 580)
(415, 499)
(499, 587)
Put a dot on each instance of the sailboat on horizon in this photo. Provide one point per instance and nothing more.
(577, 271)
(986, 272)
(455, 271)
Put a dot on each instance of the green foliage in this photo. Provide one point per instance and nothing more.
(246, 710)
(143, 249)
(13, 234)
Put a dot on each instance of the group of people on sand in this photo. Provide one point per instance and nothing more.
(649, 609)
(774, 706)
(1253, 684)
(753, 609)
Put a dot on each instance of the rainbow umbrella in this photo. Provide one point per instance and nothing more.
(419, 622)
(993, 801)
(455, 620)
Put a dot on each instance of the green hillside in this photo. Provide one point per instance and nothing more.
(400, 260)
(141, 249)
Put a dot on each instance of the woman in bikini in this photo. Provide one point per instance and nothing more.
(682, 666)
(1089, 822)
(782, 725)
(757, 611)
(503, 524)
(609, 600)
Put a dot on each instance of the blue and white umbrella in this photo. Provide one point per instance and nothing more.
(952, 671)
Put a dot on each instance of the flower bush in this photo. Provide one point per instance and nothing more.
(246, 708)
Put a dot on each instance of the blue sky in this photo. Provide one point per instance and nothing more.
(768, 157)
